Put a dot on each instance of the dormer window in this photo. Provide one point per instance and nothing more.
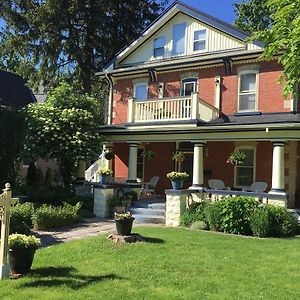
(159, 47)
(179, 39)
(199, 43)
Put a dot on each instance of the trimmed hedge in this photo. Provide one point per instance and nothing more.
(20, 220)
(47, 216)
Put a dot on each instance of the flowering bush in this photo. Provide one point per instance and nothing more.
(123, 216)
(237, 157)
(107, 172)
(22, 241)
(178, 176)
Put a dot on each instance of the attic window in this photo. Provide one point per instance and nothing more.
(179, 39)
(159, 47)
(199, 40)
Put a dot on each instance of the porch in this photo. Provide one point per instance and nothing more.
(170, 109)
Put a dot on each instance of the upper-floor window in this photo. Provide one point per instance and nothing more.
(188, 86)
(247, 97)
(159, 47)
(199, 42)
(140, 91)
(179, 39)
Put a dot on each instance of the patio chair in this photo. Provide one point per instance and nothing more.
(256, 187)
(148, 188)
(217, 184)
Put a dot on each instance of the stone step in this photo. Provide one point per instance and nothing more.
(150, 219)
(147, 211)
(148, 204)
(160, 206)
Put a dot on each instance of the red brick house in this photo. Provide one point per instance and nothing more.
(192, 83)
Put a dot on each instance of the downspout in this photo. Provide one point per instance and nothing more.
(218, 94)
(110, 97)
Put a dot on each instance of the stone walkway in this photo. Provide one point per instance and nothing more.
(91, 227)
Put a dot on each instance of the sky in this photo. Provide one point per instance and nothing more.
(221, 9)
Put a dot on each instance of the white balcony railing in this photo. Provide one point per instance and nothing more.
(170, 109)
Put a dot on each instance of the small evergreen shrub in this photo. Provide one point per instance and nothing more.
(48, 216)
(20, 218)
(273, 221)
(199, 225)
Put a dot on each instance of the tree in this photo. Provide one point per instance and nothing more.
(252, 15)
(11, 143)
(282, 40)
(71, 37)
(65, 127)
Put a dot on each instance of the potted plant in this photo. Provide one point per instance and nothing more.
(21, 250)
(124, 222)
(237, 157)
(178, 156)
(177, 179)
(104, 174)
(149, 154)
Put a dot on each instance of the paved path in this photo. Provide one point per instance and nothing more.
(91, 227)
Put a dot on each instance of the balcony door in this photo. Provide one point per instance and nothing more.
(140, 91)
(188, 86)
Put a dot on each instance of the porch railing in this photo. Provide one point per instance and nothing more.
(170, 109)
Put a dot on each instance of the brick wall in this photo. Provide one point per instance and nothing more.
(269, 91)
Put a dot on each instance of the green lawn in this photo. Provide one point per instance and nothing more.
(173, 264)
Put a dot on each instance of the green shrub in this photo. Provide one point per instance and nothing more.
(235, 214)
(273, 221)
(46, 217)
(194, 213)
(87, 202)
(199, 225)
(22, 212)
(213, 216)
(20, 219)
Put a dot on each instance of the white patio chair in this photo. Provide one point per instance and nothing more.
(217, 184)
(148, 188)
(256, 187)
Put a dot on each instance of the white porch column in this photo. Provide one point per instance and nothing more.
(195, 106)
(198, 166)
(132, 163)
(278, 168)
(131, 111)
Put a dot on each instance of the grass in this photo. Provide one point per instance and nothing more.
(172, 264)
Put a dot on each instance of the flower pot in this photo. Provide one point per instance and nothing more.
(177, 184)
(109, 155)
(124, 226)
(103, 179)
(20, 260)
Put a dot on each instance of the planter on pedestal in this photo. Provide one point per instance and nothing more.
(177, 184)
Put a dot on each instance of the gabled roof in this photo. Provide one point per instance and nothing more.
(13, 91)
(167, 15)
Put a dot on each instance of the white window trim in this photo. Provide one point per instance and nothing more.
(195, 80)
(244, 72)
(185, 42)
(138, 83)
(206, 41)
(159, 57)
(246, 147)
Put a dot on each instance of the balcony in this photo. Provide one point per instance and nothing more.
(171, 109)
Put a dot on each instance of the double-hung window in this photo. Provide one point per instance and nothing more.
(140, 91)
(244, 173)
(179, 39)
(247, 97)
(199, 42)
(159, 47)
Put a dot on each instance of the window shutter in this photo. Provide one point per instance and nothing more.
(179, 39)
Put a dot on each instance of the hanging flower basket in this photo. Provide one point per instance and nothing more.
(236, 158)
(109, 155)
(178, 156)
(149, 154)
